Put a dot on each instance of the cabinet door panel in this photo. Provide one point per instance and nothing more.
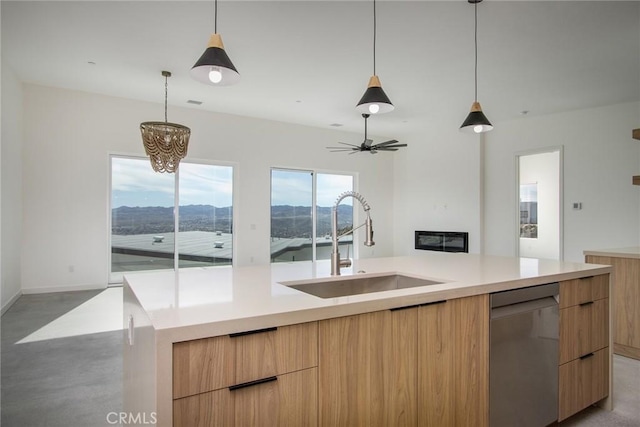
(344, 361)
(471, 358)
(435, 367)
(291, 400)
(453, 360)
(368, 369)
(394, 368)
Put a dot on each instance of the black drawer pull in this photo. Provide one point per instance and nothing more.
(252, 383)
(586, 356)
(582, 304)
(404, 308)
(435, 302)
(587, 278)
(257, 331)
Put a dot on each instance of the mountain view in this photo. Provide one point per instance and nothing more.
(286, 221)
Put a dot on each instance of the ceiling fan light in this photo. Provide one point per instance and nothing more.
(374, 100)
(476, 121)
(214, 59)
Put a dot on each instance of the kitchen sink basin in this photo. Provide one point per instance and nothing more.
(360, 285)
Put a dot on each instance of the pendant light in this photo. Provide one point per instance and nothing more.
(476, 121)
(374, 100)
(214, 66)
(165, 143)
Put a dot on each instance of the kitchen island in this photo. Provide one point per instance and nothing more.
(626, 292)
(186, 331)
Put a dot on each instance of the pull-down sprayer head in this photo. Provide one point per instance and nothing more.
(368, 226)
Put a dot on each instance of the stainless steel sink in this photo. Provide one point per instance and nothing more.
(360, 285)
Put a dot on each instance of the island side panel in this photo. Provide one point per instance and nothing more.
(139, 362)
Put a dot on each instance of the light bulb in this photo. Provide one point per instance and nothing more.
(374, 108)
(215, 75)
(477, 128)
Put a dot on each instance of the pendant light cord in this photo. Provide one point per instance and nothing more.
(475, 35)
(374, 39)
(166, 89)
(215, 16)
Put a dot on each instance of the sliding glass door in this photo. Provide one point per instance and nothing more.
(301, 205)
(146, 208)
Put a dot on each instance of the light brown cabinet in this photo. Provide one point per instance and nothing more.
(626, 318)
(425, 365)
(265, 377)
(367, 369)
(584, 343)
(453, 362)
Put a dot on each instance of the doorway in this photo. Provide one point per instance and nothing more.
(539, 204)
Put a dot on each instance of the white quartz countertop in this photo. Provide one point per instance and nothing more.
(630, 252)
(203, 302)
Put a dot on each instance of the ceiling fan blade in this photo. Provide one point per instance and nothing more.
(392, 146)
(382, 144)
(350, 145)
(387, 149)
(339, 151)
(354, 151)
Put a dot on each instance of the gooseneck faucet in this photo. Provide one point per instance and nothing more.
(336, 262)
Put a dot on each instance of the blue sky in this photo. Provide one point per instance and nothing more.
(134, 183)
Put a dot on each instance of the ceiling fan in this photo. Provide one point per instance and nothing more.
(391, 145)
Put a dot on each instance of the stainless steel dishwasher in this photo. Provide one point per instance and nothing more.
(523, 361)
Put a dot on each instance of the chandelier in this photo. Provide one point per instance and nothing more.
(165, 143)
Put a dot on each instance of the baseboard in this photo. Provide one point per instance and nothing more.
(626, 351)
(63, 289)
(9, 303)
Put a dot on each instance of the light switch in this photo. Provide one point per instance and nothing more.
(577, 206)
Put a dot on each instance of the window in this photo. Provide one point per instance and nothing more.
(143, 224)
(301, 204)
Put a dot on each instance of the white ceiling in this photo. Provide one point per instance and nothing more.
(309, 62)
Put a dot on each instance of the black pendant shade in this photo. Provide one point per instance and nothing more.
(476, 121)
(374, 100)
(214, 66)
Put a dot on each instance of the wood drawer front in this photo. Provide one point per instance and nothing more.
(203, 365)
(287, 349)
(292, 400)
(214, 363)
(583, 382)
(289, 400)
(583, 329)
(579, 291)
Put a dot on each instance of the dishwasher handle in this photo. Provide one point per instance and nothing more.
(523, 307)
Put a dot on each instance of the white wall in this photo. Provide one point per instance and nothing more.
(66, 171)
(11, 181)
(438, 186)
(543, 169)
(600, 157)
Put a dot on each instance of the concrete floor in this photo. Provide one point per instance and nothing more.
(61, 365)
